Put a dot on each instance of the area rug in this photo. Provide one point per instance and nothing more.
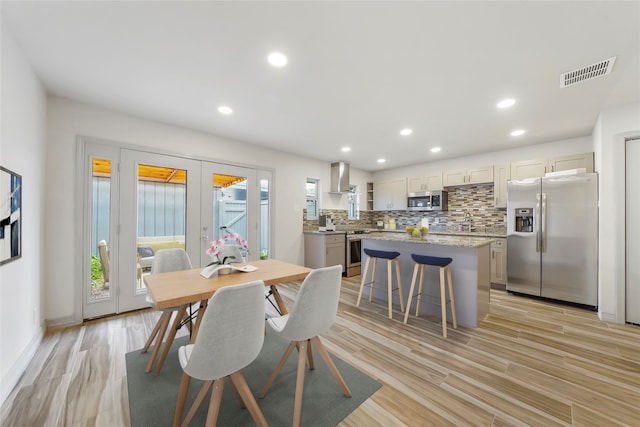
(152, 399)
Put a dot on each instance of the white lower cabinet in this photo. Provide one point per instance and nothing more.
(324, 250)
(499, 261)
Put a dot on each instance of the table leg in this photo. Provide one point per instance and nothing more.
(196, 327)
(281, 306)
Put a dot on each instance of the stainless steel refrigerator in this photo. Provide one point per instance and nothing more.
(552, 237)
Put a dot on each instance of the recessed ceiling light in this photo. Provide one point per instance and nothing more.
(436, 149)
(277, 59)
(381, 160)
(506, 103)
(518, 132)
(346, 149)
(406, 132)
(225, 110)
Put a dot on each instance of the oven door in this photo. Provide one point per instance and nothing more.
(353, 253)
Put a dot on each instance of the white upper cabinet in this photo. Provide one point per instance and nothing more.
(415, 184)
(467, 176)
(528, 169)
(584, 160)
(539, 167)
(390, 195)
(501, 174)
(430, 182)
(433, 181)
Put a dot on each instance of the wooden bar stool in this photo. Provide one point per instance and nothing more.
(392, 259)
(445, 265)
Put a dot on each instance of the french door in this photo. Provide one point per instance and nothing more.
(230, 206)
(137, 202)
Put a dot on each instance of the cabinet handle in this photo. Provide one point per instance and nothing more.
(493, 254)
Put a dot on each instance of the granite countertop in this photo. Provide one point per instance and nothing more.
(324, 232)
(461, 240)
(495, 235)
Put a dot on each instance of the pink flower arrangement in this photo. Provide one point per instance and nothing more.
(214, 250)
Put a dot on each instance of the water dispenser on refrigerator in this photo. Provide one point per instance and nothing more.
(524, 220)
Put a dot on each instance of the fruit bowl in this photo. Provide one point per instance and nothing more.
(416, 231)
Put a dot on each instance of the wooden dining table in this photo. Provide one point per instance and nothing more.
(182, 288)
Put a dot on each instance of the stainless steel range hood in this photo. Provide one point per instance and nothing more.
(339, 178)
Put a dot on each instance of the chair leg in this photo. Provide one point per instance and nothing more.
(275, 373)
(196, 403)
(452, 299)
(420, 290)
(411, 288)
(332, 367)
(362, 280)
(240, 384)
(389, 289)
(310, 356)
(214, 403)
(297, 403)
(182, 397)
(158, 344)
(373, 279)
(397, 264)
(443, 303)
(155, 330)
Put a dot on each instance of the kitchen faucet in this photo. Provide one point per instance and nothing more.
(467, 219)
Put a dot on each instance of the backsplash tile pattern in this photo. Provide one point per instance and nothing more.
(475, 199)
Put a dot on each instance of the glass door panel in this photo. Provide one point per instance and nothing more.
(99, 207)
(155, 196)
(229, 206)
(265, 213)
(100, 229)
(162, 202)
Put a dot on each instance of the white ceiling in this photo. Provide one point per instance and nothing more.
(358, 72)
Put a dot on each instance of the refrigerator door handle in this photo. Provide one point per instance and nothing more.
(537, 223)
(543, 236)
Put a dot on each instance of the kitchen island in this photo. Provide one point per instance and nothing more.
(470, 271)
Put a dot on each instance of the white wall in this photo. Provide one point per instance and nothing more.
(67, 119)
(609, 134)
(22, 150)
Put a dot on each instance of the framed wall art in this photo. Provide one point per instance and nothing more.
(10, 216)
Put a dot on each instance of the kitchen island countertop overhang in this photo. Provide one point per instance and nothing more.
(470, 270)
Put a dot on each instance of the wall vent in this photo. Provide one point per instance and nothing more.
(589, 72)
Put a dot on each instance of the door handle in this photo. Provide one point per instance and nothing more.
(537, 222)
(543, 237)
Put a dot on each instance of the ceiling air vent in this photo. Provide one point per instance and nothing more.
(589, 72)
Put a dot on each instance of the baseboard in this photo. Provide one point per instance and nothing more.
(62, 322)
(18, 368)
(609, 317)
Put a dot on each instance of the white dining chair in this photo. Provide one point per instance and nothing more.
(230, 337)
(165, 260)
(313, 312)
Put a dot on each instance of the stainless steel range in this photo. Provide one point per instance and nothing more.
(353, 252)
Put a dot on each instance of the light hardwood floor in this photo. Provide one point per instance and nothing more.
(528, 363)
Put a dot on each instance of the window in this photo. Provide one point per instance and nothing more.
(353, 202)
(312, 198)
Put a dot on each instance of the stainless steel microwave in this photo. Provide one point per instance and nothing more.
(428, 201)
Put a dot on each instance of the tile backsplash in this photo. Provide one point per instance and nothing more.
(475, 199)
